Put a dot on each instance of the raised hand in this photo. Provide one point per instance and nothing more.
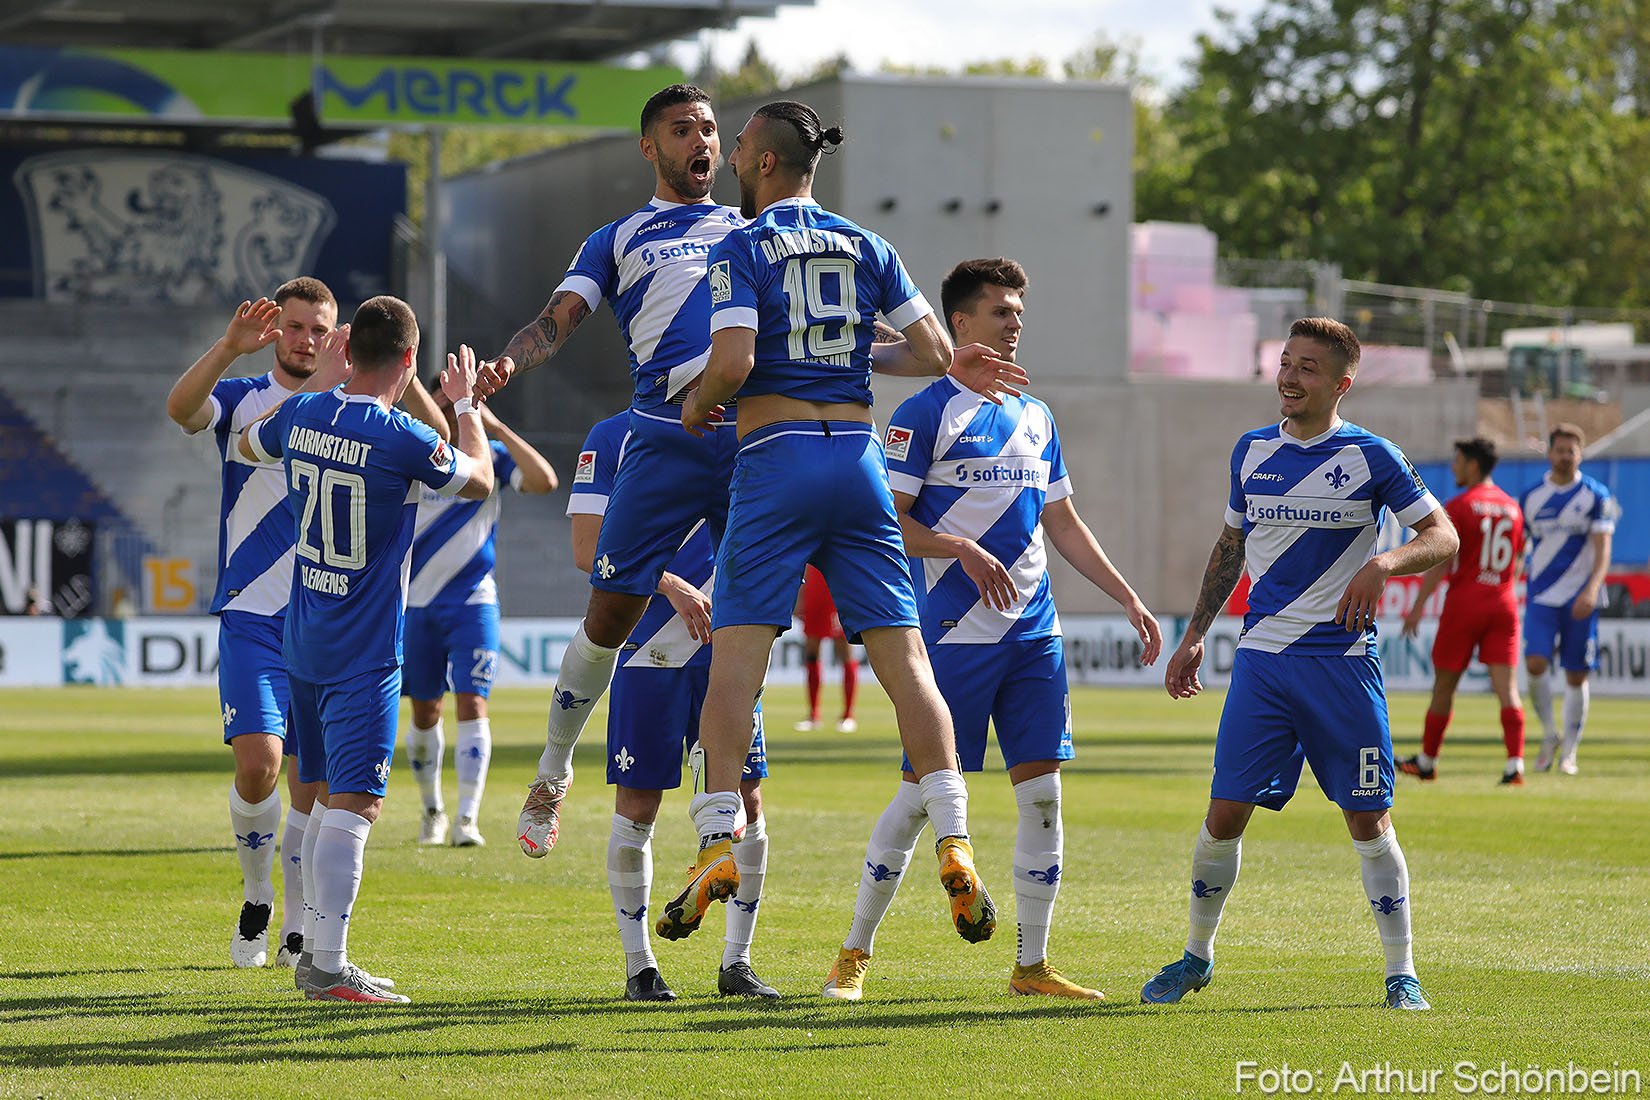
(458, 381)
(253, 327)
(986, 373)
(332, 366)
(492, 375)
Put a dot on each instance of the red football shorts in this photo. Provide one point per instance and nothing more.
(1489, 626)
(818, 611)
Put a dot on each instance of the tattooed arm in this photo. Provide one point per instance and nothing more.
(1225, 567)
(539, 340)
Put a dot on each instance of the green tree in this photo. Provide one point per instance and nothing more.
(1491, 145)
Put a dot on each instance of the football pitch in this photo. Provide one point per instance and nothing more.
(118, 892)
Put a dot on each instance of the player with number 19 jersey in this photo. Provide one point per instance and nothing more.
(1481, 609)
(353, 471)
(810, 283)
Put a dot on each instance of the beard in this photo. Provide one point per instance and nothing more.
(294, 367)
(679, 178)
(747, 200)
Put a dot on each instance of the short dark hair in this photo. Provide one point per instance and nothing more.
(670, 97)
(1480, 450)
(1573, 431)
(965, 283)
(381, 332)
(1339, 339)
(305, 288)
(799, 144)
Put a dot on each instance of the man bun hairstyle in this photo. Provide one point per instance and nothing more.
(1341, 341)
(965, 283)
(381, 333)
(1481, 450)
(305, 288)
(670, 97)
(799, 144)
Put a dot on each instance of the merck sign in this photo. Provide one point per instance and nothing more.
(407, 92)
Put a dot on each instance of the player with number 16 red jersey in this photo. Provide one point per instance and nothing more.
(1480, 608)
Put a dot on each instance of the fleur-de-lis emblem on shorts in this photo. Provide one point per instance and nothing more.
(228, 715)
(623, 759)
(1337, 477)
(605, 567)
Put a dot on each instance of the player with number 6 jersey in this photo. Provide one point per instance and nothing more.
(1480, 608)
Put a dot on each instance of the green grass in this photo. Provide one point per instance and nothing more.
(118, 891)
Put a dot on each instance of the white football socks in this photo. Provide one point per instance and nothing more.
(312, 833)
(629, 879)
(471, 754)
(424, 751)
(1386, 882)
(586, 670)
(292, 873)
(1576, 699)
(339, 858)
(945, 797)
(716, 812)
(1039, 844)
(887, 855)
(1215, 866)
(1541, 701)
(750, 855)
(254, 828)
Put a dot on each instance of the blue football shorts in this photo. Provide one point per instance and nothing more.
(346, 730)
(450, 647)
(1283, 710)
(668, 481)
(653, 721)
(812, 491)
(252, 682)
(1576, 639)
(1019, 687)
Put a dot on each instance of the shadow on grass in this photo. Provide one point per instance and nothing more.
(44, 975)
(113, 853)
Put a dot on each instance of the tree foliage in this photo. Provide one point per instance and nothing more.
(1496, 146)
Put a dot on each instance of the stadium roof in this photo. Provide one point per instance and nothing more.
(550, 30)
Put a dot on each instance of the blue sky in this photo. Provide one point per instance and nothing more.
(951, 32)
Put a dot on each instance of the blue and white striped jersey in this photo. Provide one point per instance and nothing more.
(453, 542)
(661, 639)
(255, 520)
(810, 284)
(353, 469)
(1561, 520)
(983, 472)
(1310, 511)
(651, 267)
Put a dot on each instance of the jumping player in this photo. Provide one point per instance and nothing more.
(1480, 608)
(1304, 512)
(452, 627)
(1571, 519)
(350, 461)
(793, 299)
(652, 717)
(976, 486)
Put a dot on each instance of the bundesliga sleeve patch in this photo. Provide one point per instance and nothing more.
(898, 445)
(441, 457)
(721, 283)
(585, 473)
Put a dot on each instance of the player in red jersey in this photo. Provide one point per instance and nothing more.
(819, 622)
(1480, 609)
